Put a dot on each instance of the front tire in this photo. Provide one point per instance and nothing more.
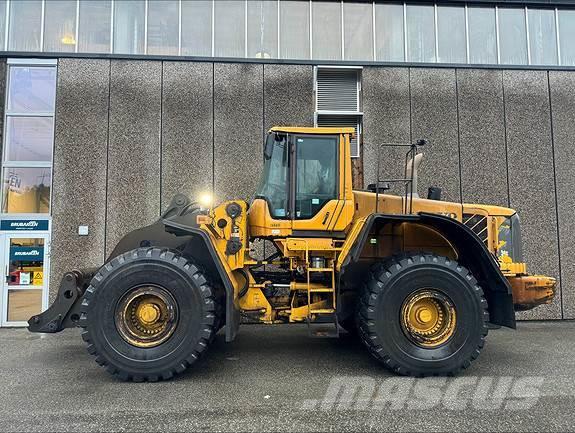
(422, 315)
(148, 315)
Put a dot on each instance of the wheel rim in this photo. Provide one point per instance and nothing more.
(428, 318)
(146, 316)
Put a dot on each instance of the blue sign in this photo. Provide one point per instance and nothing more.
(26, 254)
(24, 225)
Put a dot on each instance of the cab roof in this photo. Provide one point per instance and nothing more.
(310, 130)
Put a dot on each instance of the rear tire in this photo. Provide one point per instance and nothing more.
(384, 309)
(116, 330)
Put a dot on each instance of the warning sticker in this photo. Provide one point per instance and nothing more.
(38, 278)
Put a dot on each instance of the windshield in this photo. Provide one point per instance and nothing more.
(274, 185)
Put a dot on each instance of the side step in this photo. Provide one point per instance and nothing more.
(325, 324)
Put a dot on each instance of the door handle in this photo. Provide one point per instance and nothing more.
(325, 217)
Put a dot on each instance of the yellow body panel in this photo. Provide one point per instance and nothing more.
(312, 130)
(330, 235)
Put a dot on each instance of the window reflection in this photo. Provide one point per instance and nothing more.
(263, 29)
(163, 25)
(420, 33)
(358, 31)
(512, 37)
(26, 190)
(31, 89)
(482, 36)
(274, 29)
(451, 44)
(197, 28)
(29, 139)
(294, 29)
(542, 38)
(326, 30)
(389, 40)
(129, 21)
(25, 25)
(60, 26)
(567, 36)
(229, 33)
(94, 28)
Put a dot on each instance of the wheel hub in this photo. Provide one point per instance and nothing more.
(146, 316)
(148, 313)
(428, 318)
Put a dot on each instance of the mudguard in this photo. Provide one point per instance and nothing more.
(176, 229)
(472, 252)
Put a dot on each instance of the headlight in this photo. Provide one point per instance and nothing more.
(206, 200)
(509, 238)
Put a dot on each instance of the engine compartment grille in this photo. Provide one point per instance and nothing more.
(478, 225)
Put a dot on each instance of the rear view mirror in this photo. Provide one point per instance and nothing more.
(269, 145)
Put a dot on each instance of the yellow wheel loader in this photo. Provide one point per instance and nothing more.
(418, 280)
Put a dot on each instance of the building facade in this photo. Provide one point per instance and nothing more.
(113, 106)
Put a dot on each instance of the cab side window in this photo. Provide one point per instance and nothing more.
(316, 174)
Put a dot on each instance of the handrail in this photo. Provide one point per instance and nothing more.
(408, 182)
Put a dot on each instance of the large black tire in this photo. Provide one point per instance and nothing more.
(194, 328)
(349, 324)
(379, 314)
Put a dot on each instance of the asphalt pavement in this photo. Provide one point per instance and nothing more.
(276, 378)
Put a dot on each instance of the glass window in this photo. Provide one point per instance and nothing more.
(358, 31)
(26, 265)
(129, 22)
(26, 190)
(94, 29)
(512, 37)
(263, 29)
(567, 36)
(420, 33)
(163, 27)
(2, 23)
(29, 139)
(294, 29)
(274, 186)
(482, 36)
(451, 45)
(197, 28)
(229, 28)
(316, 167)
(25, 26)
(389, 42)
(31, 89)
(23, 304)
(60, 26)
(542, 38)
(326, 33)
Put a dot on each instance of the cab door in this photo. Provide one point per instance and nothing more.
(320, 196)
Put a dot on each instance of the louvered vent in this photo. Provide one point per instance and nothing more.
(337, 89)
(338, 100)
(330, 120)
(477, 224)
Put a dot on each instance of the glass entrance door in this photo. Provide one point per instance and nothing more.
(25, 279)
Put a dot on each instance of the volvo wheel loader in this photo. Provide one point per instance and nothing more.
(418, 280)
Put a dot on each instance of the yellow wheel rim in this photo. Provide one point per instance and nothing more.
(146, 316)
(428, 318)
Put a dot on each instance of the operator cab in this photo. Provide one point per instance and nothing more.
(306, 185)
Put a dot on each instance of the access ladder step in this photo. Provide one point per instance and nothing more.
(324, 326)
